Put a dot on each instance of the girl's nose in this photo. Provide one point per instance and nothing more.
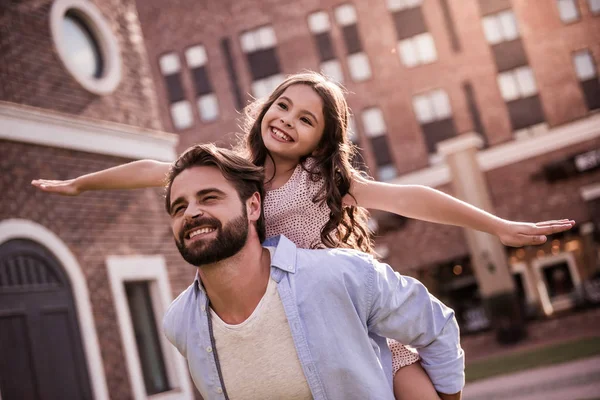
(285, 122)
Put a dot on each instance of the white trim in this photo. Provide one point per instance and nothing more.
(109, 46)
(590, 192)
(460, 143)
(530, 292)
(512, 152)
(539, 263)
(25, 229)
(32, 125)
(147, 268)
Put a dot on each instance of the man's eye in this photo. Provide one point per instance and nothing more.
(209, 198)
(177, 210)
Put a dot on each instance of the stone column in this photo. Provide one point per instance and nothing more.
(488, 255)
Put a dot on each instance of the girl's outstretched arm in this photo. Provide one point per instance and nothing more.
(427, 204)
(134, 175)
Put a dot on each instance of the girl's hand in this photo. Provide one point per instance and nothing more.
(518, 234)
(66, 188)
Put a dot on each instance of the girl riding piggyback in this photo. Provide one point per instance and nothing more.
(299, 134)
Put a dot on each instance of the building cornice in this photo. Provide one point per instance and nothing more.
(47, 128)
(512, 152)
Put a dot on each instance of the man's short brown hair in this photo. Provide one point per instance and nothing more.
(246, 177)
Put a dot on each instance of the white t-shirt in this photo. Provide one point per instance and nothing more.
(258, 357)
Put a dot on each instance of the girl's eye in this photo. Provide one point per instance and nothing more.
(306, 121)
(283, 106)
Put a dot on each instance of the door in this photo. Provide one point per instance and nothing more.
(42, 353)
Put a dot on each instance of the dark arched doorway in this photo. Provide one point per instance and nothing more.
(40, 343)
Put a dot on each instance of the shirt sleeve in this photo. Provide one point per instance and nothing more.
(403, 309)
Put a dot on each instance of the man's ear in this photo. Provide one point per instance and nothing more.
(253, 207)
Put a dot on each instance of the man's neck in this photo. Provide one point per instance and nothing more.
(236, 285)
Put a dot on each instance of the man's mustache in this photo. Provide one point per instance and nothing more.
(203, 221)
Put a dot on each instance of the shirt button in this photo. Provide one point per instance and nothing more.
(219, 390)
(203, 308)
(209, 349)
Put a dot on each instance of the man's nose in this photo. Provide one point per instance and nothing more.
(193, 211)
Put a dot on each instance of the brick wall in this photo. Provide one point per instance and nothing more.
(32, 72)
(548, 43)
(93, 225)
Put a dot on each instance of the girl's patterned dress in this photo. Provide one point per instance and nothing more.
(290, 211)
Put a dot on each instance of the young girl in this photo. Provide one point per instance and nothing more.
(316, 198)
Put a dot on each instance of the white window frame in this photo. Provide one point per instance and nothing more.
(590, 59)
(516, 77)
(259, 39)
(494, 29)
(319, 22)
(413, 52)
(539, 264)
(398, 5)
(594, 6)
(374, 126)
(566, 6)
(107, 42)
(208, 104)
(431, 100)
(152, 269)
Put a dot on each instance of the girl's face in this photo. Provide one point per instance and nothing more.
(293, 126)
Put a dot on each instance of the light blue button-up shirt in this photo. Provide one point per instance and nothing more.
(340, 305)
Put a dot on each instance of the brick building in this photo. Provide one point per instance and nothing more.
(84, 280)
(522, 75)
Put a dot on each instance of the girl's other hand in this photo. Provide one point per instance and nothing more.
(65, 188)
(518, 234)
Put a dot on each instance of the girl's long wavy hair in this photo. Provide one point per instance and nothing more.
(347, 226)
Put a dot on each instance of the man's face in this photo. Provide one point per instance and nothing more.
(209, 221)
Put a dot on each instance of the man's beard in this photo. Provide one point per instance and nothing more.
(229, 241)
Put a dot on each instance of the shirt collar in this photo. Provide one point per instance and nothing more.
(284, 257)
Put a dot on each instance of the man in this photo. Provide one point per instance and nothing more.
(286, 323)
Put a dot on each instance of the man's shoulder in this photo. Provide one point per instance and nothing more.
(336, 260)
(175, 315)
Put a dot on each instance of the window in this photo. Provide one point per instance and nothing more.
(141, 292)
(376, 131)
(594, 6)
(320, 27)
(568, 11)
(181, 110)
(208, 106)
(415, 43)
(517, 83)
(500, 27)
(432, 106)
(82, 47)
(358, 62)
(86, 45)
(419, 49)
(259, 47)
(587, 73)
(146, 337)
(519, 89)
(397, 5)
(434, 113)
